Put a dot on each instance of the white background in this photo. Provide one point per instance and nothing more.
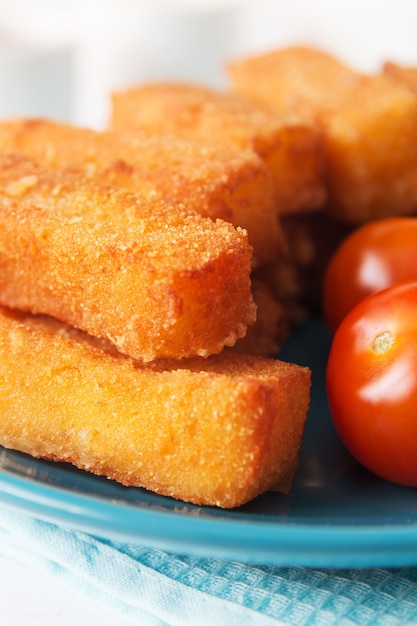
(61, 58)
(96, 45)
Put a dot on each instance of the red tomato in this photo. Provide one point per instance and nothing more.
(372, 383)
(374, 256)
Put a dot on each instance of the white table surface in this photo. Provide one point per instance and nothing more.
(27, 599)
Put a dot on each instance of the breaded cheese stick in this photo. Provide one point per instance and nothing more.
(152, 278)
(215, 431)
(217, 181)
(371, 146)
(290, 146)
(299, 78)
(369, 127)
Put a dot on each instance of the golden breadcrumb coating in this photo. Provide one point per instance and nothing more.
(405, 74)
(369, 125)
(155, 279)
(371, 152)
(216, 431)
(217, 181)
(291, 147)
(293, 79)
(272, 325)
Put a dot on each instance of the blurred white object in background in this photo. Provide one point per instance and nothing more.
(36, 64)
(362, 33)
(35, 79)
(118, 43)
(125, 42)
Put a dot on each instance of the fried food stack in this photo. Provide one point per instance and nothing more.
(290, 146)
(341, 146)
(135, 260)
(216, 181)
(123, 315)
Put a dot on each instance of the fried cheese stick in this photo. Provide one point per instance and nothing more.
(145, 275)
(216, 431)
(369, 126)
(293, 78)
(290, 146)
(216, 181)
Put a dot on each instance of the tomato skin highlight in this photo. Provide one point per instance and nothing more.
(375, 256)
(371, 382)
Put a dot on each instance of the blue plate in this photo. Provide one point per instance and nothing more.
(337, 514)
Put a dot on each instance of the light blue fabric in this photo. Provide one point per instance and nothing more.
(148, 587)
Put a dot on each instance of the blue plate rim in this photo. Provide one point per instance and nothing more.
(290, 543)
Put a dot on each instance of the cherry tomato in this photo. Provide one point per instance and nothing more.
(373, 257)
(372, 383)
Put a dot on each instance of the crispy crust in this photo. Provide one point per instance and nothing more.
(371, 152)
(215, 431)
(272, 325)
(217, 181)
(406, 75)
(294, 79)
(369, 125)
(145, 275)
(290, 146)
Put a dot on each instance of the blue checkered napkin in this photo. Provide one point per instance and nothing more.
(147, 587)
